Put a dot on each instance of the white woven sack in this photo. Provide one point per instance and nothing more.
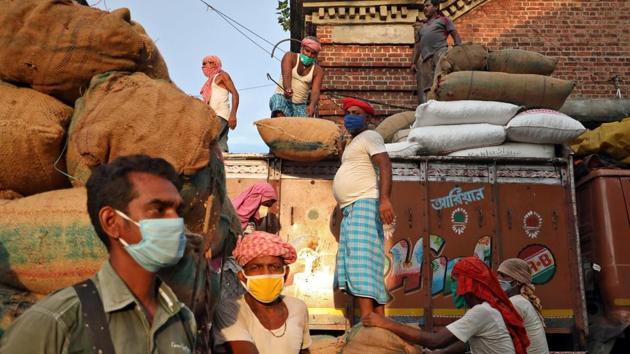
(543, 126)
(444, 139)
(402, 149)
(517, 150)
(464, 112)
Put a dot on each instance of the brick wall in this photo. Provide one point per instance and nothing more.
(375, 72)
(590, 38)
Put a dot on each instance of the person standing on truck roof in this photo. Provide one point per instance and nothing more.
(365, 203)
(262, 321)
(215, 92)
(300, 75)
(135, 207)
(515, 278)
(491, 325)
(430, 44)
(248, 203)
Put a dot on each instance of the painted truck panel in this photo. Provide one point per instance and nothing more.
(446, 208)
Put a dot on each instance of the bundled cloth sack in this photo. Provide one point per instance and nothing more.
(543, 126)
(516, 150)
(375, 340)
(610, 138)
(123, 114)
(32, 129)
(299, 138)
(56, 46)
(464, 112)
(444, 139)
(597, 109)
(464, 57)
(394, 123)
(401, 135)
(518, 61)
(531, 91)
(402, 149)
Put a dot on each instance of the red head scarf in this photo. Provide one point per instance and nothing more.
(349, 102)
(474, 277)
(248, 202)
(312, 43)
(206, 89)
(259, 244)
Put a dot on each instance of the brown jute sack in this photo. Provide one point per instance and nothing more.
(392, 124)
(518, 61)
(463, 57)
(299, 139)
(56, 46)
(48, 241)
(32, 128)
(124, 114)
(531, 91)
(374, 340)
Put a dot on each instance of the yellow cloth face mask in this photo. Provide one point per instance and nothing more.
(265, 288)
(263, 211)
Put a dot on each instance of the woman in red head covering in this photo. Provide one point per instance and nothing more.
(249, 202)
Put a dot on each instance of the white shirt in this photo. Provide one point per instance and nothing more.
(484, 329)
(219, 101)
(356, 178)
(235, 321)
(533, 325)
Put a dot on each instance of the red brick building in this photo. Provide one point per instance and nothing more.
(367, 44)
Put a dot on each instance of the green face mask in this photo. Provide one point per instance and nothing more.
(306, 60)
(458, 300)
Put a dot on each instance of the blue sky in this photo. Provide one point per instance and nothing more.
(185, 31)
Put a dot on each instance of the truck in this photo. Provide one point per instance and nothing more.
(446, 208)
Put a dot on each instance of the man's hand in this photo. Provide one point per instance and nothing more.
(310, 110)
(374, 319)
(386, 211)
(288, 93)
(232, 121)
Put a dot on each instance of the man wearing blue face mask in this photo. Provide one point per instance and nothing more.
(364, 200)
(301, 82)
(134, 205)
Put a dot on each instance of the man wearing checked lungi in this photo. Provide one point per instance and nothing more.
(364, 200)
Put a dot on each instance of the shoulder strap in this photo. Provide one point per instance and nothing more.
(94, 317)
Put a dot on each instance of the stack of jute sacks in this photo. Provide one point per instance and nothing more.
(500, 104)
(81, 87)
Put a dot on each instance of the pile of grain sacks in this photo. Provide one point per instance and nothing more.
(80, 87)
(494, 104)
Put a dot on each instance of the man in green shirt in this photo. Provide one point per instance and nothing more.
(134, 205)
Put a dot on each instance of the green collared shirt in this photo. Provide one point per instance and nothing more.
(55, 324)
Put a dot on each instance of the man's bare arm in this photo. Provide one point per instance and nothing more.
(385, 209)
(440, 339)
(288, 61)
(229, 85)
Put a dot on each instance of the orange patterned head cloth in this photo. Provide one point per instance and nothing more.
(260, 243)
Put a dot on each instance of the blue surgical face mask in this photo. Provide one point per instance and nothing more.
(505, 285)
(162, 245)
(353, 123)
(306, 60)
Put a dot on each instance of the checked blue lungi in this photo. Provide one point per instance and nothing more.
(279, 103)
(361, 253)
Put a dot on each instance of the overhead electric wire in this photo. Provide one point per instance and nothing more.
(230, 21)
